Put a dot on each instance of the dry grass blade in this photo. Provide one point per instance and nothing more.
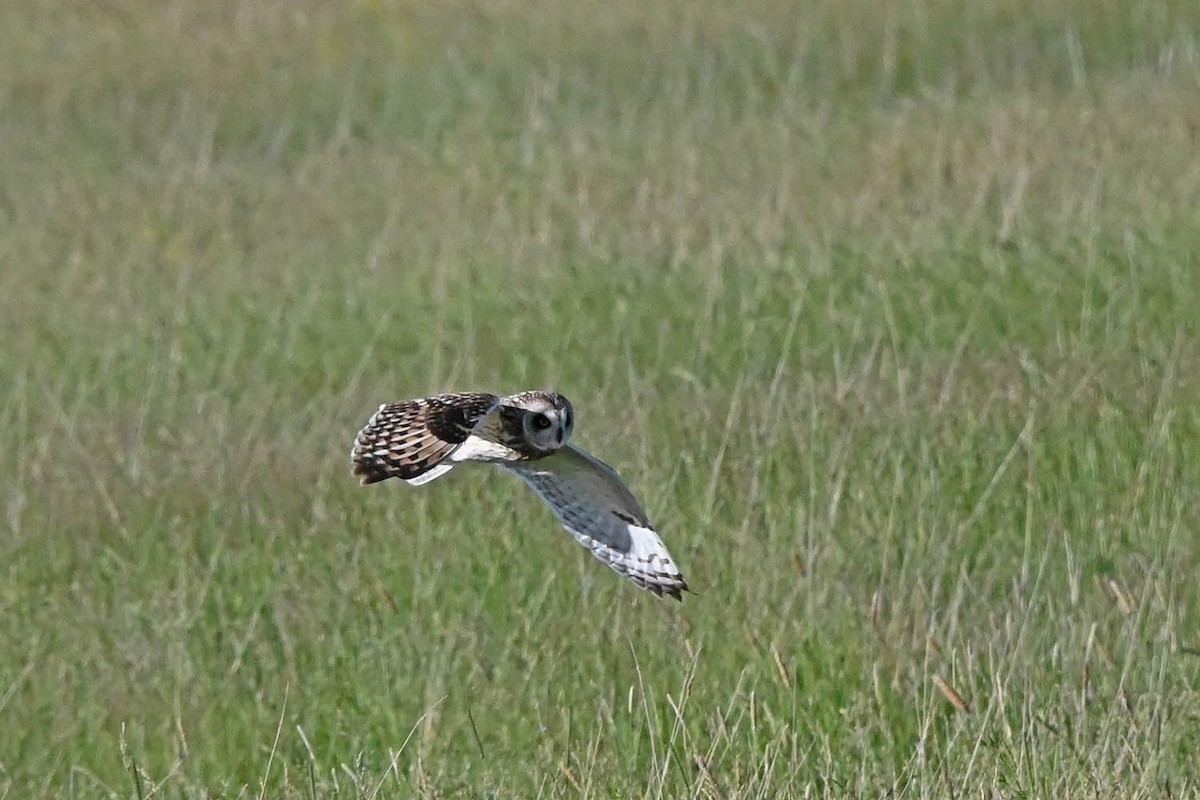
(950, 694)
(784, 677)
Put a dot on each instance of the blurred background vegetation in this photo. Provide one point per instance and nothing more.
(887, 310)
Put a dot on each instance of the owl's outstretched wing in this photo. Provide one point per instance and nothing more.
(593, 503)
(412, 440)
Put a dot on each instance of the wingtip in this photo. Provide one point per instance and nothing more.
(678, 591)
(366, 476)
(673, 590)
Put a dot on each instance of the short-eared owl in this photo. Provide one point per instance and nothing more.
(527, 434)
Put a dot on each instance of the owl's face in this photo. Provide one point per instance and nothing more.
(546, 419)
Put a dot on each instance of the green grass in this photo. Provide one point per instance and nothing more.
(887, 311)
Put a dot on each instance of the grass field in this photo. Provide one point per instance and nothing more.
(890, 312)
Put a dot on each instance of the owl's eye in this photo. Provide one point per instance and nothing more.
(541, 422)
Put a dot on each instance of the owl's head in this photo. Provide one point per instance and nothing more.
(546, 419)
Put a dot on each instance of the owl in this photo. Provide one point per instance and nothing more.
(529, 435)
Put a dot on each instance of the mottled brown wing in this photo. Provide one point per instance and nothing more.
(406, 440)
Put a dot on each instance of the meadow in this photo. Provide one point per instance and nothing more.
(887, 311)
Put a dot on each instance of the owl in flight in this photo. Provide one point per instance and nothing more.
(526, 434)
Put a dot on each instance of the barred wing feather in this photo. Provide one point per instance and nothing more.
(412, 440)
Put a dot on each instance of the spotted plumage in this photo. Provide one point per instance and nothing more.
(406, 440)
(528, 434)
